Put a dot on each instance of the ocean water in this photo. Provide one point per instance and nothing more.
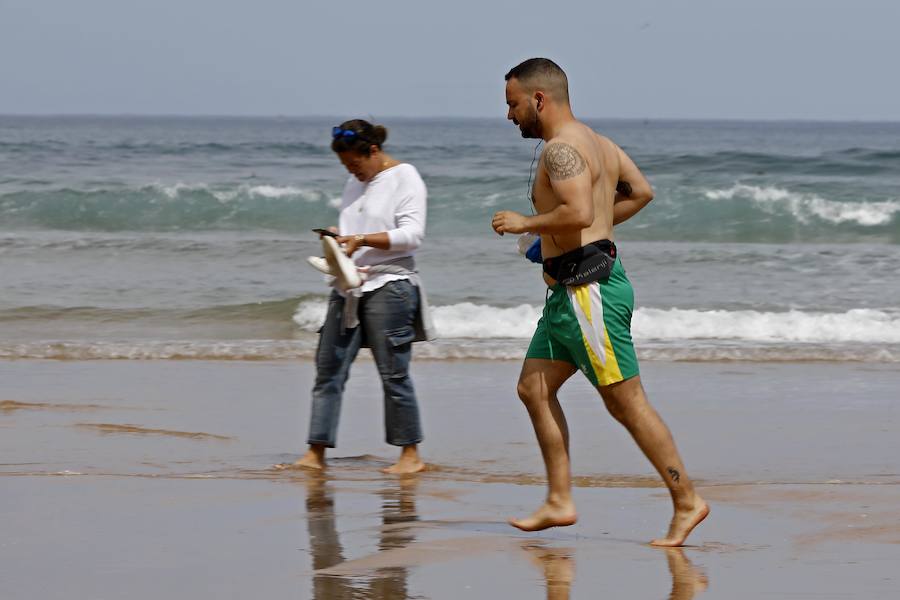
(139, 237)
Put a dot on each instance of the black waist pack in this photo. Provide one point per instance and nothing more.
(583, 265)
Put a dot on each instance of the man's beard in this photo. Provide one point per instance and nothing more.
(531, 126)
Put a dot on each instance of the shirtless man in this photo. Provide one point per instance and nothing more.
(585, 185)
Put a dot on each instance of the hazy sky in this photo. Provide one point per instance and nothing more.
(768, 59)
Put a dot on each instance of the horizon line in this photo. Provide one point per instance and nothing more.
(447, 117)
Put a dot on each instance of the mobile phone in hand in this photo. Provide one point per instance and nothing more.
(325, 232)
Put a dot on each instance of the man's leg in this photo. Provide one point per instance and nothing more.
(538, 383)
(627, 402)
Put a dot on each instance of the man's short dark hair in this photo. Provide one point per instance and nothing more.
(542, 73)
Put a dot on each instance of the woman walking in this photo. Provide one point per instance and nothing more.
(382, 223)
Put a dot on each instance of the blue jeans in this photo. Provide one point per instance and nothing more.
(386, 325)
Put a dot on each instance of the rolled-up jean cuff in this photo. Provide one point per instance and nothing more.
(409, 443)
(313, 442)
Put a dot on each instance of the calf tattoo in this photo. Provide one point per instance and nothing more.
(563, 161)
(674, 474)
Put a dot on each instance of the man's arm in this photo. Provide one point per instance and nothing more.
(633, 191)
(570, 180)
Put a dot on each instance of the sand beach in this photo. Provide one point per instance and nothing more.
(152, 478)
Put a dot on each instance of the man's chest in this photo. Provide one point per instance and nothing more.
(542, 196)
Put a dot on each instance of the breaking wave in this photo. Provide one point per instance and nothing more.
(805, 207)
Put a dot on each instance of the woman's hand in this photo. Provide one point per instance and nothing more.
(351, 243)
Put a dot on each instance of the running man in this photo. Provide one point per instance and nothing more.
(585, 184)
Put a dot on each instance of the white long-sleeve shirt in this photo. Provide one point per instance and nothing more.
(395, 201)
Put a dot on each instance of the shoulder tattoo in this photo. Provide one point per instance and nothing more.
(563, 161)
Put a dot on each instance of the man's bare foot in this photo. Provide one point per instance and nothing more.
(683, 524)
(313, 459)
(408, 463)
(550, 514)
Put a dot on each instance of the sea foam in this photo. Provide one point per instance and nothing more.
(181, 189)
(804, 206)
(485, 322)
(794, 326)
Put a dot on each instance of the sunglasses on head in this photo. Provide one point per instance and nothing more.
(345, 134)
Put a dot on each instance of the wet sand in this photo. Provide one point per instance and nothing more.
(150, 479)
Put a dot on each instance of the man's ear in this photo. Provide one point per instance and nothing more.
(540, 98)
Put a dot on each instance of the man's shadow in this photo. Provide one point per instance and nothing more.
(558, 566)
(398, 511)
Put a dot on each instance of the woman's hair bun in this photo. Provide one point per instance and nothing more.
(379, 135)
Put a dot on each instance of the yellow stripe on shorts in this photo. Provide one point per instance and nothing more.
(588, 307)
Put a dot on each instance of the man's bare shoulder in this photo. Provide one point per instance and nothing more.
(602, 142)
(605, 150)
(563, 156)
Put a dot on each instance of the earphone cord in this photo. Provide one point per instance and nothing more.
(528, 193)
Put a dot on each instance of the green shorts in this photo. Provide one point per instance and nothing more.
(589, 326)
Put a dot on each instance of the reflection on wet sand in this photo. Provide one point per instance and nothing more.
(558, 566)
(384, 575)
(398, 515)
(687, 580)
(324, 540)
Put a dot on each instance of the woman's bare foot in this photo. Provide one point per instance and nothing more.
(313, 459)
(683, 523)
(409, 462)
(550, 514)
